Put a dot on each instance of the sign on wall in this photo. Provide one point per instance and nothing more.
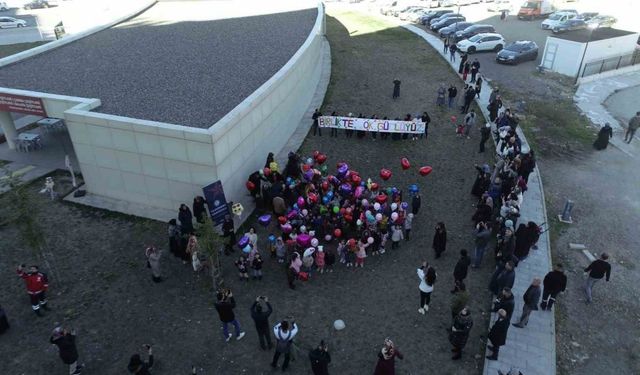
(371, 125)
(22, 104)
(217, 202)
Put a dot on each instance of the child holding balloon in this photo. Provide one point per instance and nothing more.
(362, 251)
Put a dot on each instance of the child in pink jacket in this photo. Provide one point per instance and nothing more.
(361, 253)
(320, 259)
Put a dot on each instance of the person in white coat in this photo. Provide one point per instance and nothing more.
(427, 276)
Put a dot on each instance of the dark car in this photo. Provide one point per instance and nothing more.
(516, 52)
(432, 15)
(442, 17)
(473, 30)
(570, 25)
(601, 21)
(446, 22)
(451, 29)
(587, 15)
(37, 4)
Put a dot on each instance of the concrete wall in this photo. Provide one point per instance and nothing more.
(162, 165)
(567, 57)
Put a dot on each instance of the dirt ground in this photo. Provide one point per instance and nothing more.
(105, 291)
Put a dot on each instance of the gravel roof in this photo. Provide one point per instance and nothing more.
(187, 73)
(583, 36)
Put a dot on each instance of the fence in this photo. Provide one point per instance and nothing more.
(611, 63)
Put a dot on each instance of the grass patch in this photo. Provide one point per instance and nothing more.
(12, 49)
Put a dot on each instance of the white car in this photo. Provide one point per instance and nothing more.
(7, 22)
(482, 42)
(556, 19)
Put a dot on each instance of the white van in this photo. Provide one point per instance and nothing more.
(556, 19)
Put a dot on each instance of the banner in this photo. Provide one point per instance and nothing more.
(372, 125)
(22, 104)
(217, 202)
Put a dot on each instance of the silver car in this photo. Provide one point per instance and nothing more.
(7, 22)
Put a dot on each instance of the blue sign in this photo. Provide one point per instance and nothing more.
(218, 207)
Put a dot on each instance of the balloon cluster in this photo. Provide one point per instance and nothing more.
(337, 204)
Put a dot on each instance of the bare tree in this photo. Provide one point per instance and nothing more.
(211, 243)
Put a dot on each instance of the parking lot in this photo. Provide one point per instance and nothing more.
(523, 79)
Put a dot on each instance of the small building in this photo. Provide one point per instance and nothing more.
(588, 52)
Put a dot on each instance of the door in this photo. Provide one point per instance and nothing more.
(549, 57)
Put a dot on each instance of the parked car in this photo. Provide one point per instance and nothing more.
(446, 22)
(399, 11)
(601, 21)
(433, 14)
(3, 6)
(7, 22)
(473, 30)
(389, 8)
(411, 14)
(37, 4)
(451, 29)
(587, 15)
(481, 42)
(570, 25)
(518, 51)
(556, 19)
(442, 17)
(500, 5)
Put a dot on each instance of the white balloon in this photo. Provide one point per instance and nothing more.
(305, 212)
(394, 216)
(303, 229)
(378, 217)
(314, 242)
(339, 325)
(394, 206)
(370, 240)
(376, 206)
(312, 233)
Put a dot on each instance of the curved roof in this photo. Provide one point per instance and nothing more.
(173, 63)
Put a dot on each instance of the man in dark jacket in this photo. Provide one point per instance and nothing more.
(65, 340)
(459, 334)
(505, 301)
(416, 201)
(531, 298)
(469, 95)
(555, 282)
(320, 359)
(261, 318)
(225, 305)
(461, 268)
(485, 133)
(597, 270)
(498, 334)
(502, 277)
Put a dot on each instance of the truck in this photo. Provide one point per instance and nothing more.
(535, 9)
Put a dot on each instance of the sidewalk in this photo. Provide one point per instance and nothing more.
(532, 350)
(590, 98)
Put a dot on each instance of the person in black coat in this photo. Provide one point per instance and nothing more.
(320, 359)
(228, 231)
(531, 298)
(225, 305)
(524, 241)
(261, 319)
(505, 301)
(396, 88)
(198, 209)
(483, 180)
(65, 340)
(498, 334)
(605, 133)
(440, 239)
(139, 367)
(186, 219)
(459, 334)
(502, 277)
(485, 134)
(4, 323)
(554, 282)
(461, 269)
(416, 201)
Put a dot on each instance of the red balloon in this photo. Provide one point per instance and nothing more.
(425, 170)
(453, 118)
(337, 233)
(351, 242)
(381, 198)
(266, 171)
(405, 163)
(356, 179)
(325, 185)
(321, 158)
(305, 167)
(348, 218)
(342, 210)
(282, 220)
(313, 197)
(315, 154)
(374, 186)
(250, 185)
(385, 174)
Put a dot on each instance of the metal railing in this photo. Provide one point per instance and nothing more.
(610, 63)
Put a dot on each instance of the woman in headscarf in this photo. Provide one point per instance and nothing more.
(441, 95)
(387, 359)
(459, 335)
(483, 180)
(440, 239)
(604, 135)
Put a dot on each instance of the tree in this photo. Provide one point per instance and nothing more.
(211, 243)
(22, 210)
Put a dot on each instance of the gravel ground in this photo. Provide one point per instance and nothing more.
(107, 293)
(206, 68)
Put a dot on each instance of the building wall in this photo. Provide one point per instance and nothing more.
(163, 165)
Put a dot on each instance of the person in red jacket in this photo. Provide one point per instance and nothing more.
(37, 285)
